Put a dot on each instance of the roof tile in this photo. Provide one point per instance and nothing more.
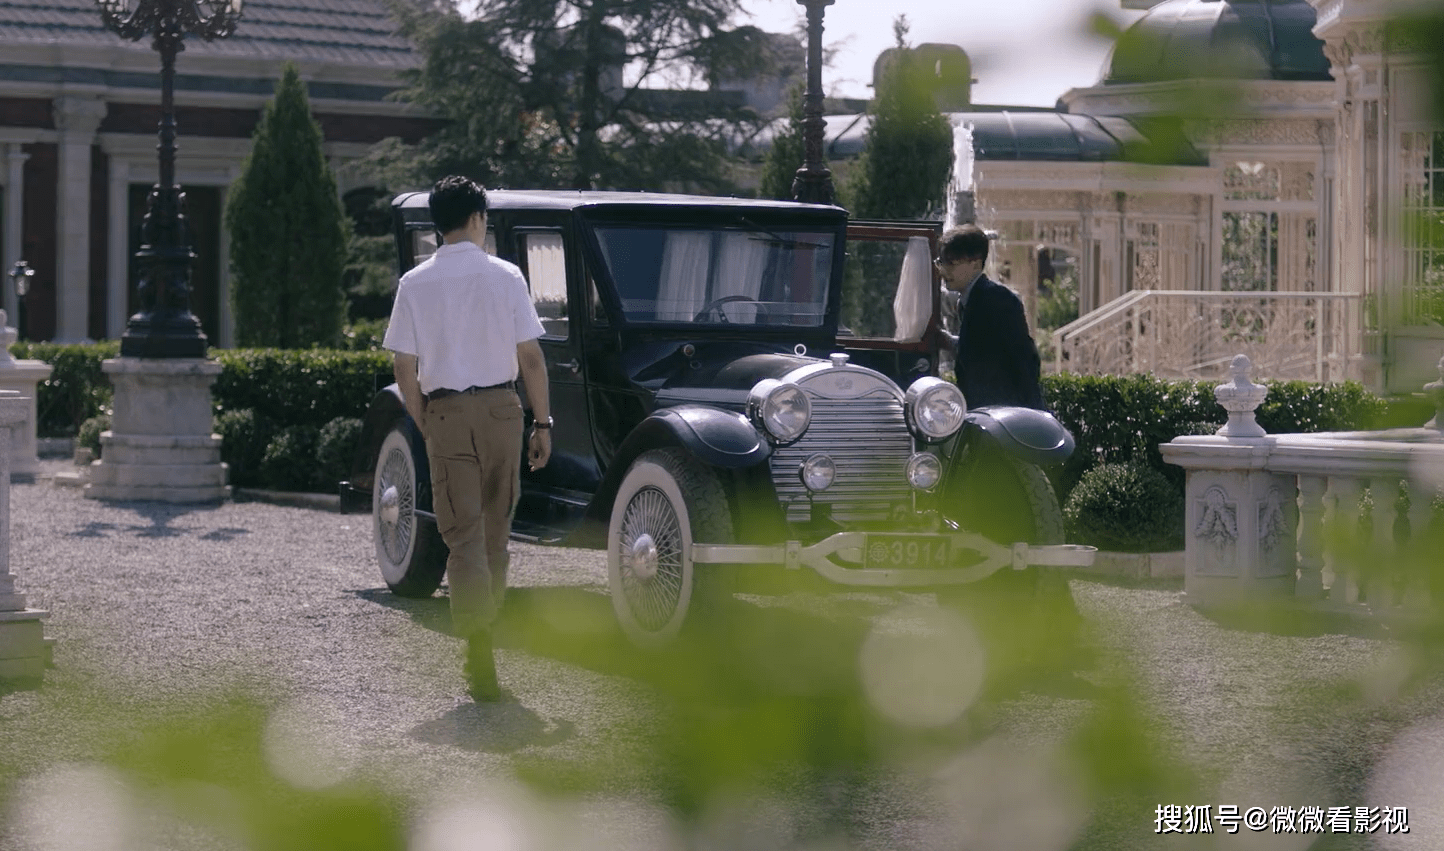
(351, 32)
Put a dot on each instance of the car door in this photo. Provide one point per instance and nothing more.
(554, 497)
(889, 315)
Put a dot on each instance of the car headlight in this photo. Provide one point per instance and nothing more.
(924, 471)
(782, 410)
(935, 408)
(818, 472)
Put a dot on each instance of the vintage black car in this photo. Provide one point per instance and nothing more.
(716, 422)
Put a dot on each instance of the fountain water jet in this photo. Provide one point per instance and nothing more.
(961, 209)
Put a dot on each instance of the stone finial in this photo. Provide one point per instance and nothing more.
(1434, 392)
(1240, 397)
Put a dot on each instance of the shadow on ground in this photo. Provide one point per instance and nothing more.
(502, 727)
(159, 516)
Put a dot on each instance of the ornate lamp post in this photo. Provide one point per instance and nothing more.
(165, 327)
(813, 183)
(20, 277)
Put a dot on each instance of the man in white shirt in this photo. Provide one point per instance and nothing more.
(462, 327)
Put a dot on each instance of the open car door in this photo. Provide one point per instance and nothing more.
(890, 319)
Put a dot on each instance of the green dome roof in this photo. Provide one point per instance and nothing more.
(1234, 39)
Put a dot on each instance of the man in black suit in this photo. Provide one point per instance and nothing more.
(995, 359)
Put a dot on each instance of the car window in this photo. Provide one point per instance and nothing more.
(546, 273)
(887, 284)
(425, 240)
(743, 276)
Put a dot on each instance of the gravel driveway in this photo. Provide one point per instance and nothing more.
(208, 659)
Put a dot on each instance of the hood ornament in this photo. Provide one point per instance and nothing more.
(838, 358)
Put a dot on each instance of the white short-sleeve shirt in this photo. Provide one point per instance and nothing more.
(462, 312)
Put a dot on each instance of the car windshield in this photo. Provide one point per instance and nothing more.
(747, 274)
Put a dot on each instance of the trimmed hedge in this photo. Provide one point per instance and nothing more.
(299, 386)
(292, 417)
(76, 390)
(1115, 419)
(1123, 419)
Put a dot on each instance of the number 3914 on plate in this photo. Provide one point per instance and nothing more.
(894, 552)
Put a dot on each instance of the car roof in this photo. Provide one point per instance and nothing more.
(570, 199)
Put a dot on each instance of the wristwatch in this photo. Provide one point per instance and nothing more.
(546, 423)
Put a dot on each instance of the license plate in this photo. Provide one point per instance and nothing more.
(905, 551)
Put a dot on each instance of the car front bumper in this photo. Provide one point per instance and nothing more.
(839, 558)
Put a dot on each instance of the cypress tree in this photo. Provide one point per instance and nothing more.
(288, 231)
(785, 156)
(908, 149)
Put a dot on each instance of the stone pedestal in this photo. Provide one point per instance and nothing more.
(1240, 520)
(21, 376)
(160, 445)
(24, 652)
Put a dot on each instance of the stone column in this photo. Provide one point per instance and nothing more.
(24, 652)
(117, 261)
(160, 445)
(14, 218)
(77, 119)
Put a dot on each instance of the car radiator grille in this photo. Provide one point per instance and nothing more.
(870, 443)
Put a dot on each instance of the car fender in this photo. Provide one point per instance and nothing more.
(716, 437)
(385, 410)
(1031, 435)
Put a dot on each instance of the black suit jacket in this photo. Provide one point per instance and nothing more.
(996, 361)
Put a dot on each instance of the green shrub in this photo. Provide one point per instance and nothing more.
(244, 438)
(364, 335)
(300, 386)
(1122, 419)
(77, 388)
(290, 461)
(337, 448)
(88, 436)
(1125, 507)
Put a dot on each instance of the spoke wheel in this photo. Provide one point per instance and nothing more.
(409, 550)
(666, 502)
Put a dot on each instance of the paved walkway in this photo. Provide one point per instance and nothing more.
(164, 612)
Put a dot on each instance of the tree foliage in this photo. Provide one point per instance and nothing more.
(908, 149)
(785, 156)
(533, 92)
(288, 231)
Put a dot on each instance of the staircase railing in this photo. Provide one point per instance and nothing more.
(1181, 334)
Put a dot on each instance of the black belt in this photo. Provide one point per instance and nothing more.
(443, 392)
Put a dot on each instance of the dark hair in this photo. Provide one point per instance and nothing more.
(965, 242)
(453, 199)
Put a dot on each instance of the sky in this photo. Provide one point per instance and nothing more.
(1024, 52)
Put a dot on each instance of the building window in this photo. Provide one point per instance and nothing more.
(1270, 227)
(1423, 226)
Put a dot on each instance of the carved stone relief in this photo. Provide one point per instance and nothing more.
(1273, 524)
(1217, 532)
(1256, 131)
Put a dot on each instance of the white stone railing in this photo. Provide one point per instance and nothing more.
(1272, 515)
(1186, 334)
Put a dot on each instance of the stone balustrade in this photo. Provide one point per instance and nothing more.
(1346, 519)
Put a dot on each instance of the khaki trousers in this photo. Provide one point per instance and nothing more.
(473, 441)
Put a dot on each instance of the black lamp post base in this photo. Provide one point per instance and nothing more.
(163, 335)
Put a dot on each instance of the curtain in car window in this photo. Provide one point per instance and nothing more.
(547, 274)
(683, 289)
(739, 273)
(913, 304)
